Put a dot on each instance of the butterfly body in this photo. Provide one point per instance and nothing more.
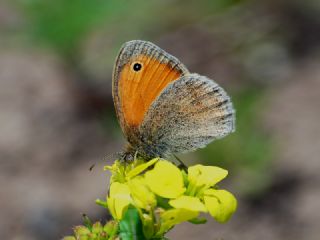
(163, 108)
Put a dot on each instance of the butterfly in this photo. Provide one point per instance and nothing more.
(162, 108)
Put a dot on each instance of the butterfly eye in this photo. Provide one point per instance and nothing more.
(137, 67)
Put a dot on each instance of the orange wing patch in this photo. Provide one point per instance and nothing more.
(138, 89)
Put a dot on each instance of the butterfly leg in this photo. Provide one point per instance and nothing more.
(181, 165)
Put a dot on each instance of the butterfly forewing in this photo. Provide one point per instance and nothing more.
(141, 72)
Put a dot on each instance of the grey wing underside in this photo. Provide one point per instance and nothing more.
(190, 113)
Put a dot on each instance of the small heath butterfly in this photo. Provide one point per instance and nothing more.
(164, 109)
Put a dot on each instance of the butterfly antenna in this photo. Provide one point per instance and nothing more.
(135, 155)
(109, 157)
(112, 156)
(182, 165)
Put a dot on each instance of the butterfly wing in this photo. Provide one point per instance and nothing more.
(190, 113)
(134, 91)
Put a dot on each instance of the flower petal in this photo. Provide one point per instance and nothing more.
(118, 199)
(140, 168)
(220, 203)
(173, 217)
(189, 203)
(141, 194)
(205, 176)
(165, 180)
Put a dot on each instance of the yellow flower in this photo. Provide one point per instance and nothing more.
(119, 199)
(123, 171)
(203, 177)
(189, 203)
(220, 203)
(165, 180)
(141, 194)
(165, 196)
(118, 171)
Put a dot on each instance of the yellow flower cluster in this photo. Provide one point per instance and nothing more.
(165, 195)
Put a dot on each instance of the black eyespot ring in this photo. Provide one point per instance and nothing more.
(137, 67)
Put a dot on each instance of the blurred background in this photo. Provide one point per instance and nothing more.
(57, 116)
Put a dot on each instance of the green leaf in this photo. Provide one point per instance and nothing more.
(131, 225)
(198, 221)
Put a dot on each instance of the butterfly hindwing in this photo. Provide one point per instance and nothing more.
(190, 113)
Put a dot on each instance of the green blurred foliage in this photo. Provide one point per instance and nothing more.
(64, 24)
